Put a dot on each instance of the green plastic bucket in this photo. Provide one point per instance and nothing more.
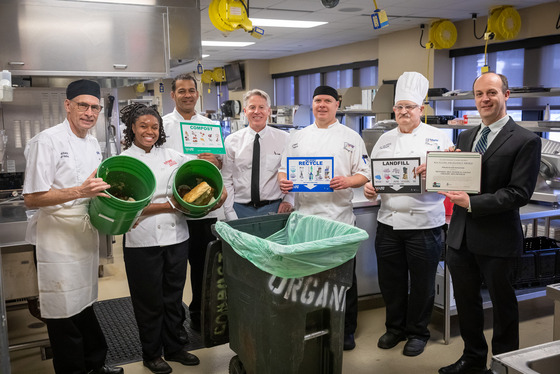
(128, 177)
(193, 172)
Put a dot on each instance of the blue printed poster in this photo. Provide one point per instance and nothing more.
(311, 174)
(202, 138)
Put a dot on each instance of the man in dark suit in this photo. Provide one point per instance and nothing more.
(485, 234)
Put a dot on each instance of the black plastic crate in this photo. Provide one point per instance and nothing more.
(546, 263)
(526, 269)
(539, 242)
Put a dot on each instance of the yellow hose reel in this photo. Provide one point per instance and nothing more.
(230, 15)
(443, 34)
(206, 77)
(219, 75)
(504, 22)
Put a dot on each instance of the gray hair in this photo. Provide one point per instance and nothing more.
(255, 92)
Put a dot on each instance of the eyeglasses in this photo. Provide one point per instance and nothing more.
(408, 108)
(83, 107)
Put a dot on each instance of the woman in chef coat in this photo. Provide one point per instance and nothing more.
(156, 249)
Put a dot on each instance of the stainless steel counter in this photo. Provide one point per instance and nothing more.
(366, 261)
(13, 225)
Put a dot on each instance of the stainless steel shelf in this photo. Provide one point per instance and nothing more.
(513, 95)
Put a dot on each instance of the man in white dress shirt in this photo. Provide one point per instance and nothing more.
(238, 163)
(184, 92)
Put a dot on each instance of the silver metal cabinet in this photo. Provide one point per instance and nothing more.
(366, 262)
(71, 38)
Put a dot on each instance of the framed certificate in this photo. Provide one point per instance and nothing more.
(202, 138)
(453, 171)
(310, 174)
(396, 175)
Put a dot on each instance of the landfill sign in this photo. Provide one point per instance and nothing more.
(396, 175)
(311, 174)
(202, 138)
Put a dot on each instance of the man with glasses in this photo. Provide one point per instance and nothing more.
(59, 182)
(409, 226)
(257, 147)
(327, 137)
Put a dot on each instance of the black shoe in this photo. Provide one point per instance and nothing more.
(414, 347)
(463, 367)
(184, 357)
(389, 340)
(107, 370)
(349, 343)
(158, 366)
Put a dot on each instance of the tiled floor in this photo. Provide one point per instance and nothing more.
(536, 328)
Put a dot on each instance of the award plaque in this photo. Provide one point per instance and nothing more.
(453, 171)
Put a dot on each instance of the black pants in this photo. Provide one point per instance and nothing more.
(467, 272)
(77, 342)
(156, 279)
(200, 232)
(401, 253)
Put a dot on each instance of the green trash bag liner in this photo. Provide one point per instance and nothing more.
(306, 245)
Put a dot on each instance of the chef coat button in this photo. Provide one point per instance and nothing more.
(172, 225)
(159, 226)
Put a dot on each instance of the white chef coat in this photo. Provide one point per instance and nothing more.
(67, 245)
(350, 158)
(164, 228)
(411, 211)
(57, 158)
(237, 166)
(173, 140)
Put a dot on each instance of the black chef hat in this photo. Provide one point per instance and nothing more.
(83, 87)
(326, 90)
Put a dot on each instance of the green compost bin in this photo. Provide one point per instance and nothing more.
(190, 174)
(287, 324)
(129, 178)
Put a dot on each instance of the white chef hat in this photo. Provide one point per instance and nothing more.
(411, 86)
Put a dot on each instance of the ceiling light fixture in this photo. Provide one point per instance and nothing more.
(204, 56)
(285, 23)
(208, 43)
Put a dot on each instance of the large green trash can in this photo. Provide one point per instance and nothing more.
(283, 325)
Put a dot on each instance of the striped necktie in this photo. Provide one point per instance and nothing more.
(483, 141)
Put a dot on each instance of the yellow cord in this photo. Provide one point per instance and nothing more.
(375, 3)
(428, 76)
(485, 49)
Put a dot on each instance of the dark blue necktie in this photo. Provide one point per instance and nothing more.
(483, 141)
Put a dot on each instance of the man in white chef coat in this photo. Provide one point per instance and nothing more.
(59, 181)
(184, 92)
(409, 235)
(252, 193)
(327, 137)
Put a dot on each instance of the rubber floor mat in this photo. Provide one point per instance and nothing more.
(117, 321)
